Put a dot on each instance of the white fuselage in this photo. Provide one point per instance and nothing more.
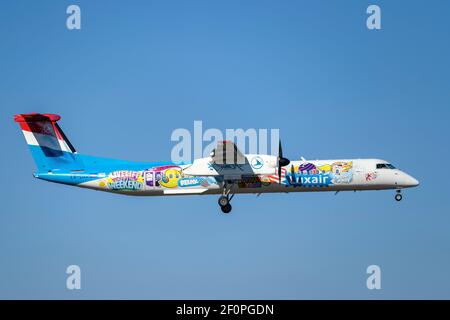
(257, 175)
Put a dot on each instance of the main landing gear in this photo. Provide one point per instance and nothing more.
(225, 198)
(398, 196)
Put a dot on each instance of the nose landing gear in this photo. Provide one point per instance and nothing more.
(398, 196)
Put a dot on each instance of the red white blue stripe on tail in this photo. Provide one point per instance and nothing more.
(43, 130)
(50, 148)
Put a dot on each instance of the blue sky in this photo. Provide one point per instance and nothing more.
(138, 70)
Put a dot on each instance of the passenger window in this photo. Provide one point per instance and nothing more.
(385, 166)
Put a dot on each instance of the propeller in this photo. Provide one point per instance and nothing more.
(282, 162)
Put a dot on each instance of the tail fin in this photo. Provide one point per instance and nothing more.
(49, 145)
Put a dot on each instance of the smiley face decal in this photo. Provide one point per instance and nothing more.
(170, 178)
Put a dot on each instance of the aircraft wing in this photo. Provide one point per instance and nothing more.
(226, 152)
(228, 161)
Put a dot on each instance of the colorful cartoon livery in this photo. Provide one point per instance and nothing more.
(225, 172)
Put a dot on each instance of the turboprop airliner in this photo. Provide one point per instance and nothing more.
(226, 172)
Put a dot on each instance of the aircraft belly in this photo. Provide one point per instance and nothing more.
(273, 188)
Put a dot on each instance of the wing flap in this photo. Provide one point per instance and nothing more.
(226, 152)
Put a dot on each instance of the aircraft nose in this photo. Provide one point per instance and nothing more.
(409, 181)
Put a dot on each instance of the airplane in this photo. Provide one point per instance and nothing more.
(226, 172)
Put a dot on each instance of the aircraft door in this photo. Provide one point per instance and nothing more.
(359, 173)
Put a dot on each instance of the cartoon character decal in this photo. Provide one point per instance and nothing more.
(342, 172)
(170, 178)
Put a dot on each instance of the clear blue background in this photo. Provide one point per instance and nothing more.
(138, 70)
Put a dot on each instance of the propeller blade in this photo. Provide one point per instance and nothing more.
(280, 149)
(282, 162)
(279, 174)
(280, 154)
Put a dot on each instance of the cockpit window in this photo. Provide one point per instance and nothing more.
(385, 166)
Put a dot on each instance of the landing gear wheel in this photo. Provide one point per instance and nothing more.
(223, 201)
(226, 208)
(225, 198)
(398, 197)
